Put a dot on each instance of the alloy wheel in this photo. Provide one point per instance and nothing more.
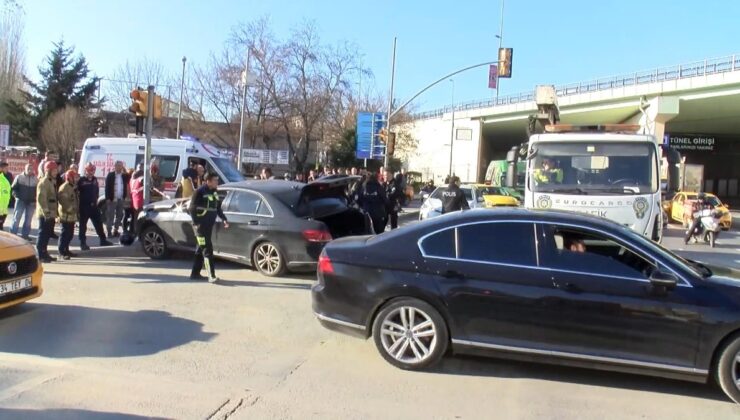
(736, 371)
(268, 258)
(408, 335)
(153, 243)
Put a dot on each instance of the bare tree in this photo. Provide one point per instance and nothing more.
(135, 74)
(65, 131)
(11, 53)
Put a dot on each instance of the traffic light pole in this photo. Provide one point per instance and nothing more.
(441, 79)
(390, 102)
(148, 148)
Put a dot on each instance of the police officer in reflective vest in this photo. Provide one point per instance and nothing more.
(204, 207)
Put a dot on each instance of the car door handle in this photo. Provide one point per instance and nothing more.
(254, 222)
(567, 286)
(453, 274)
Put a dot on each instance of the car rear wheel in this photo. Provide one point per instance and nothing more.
(153, 243)
(410, 334)
(728, 368)
(268, 260)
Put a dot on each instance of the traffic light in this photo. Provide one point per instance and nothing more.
(391, 146)
(504, 62)
(139, 99)
(139, 103)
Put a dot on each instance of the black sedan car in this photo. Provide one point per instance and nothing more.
(275, 225)
(546, 286)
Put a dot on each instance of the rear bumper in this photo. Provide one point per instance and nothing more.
(328, 312)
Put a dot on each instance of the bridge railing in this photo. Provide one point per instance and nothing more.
(682, 71)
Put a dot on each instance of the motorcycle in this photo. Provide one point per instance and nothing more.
(709, 227)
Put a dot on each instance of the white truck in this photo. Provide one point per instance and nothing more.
(609, 174)
(607, 170)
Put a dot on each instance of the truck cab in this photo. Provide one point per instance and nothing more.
(607, 171)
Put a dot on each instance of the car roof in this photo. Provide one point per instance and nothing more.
(535, 215)
(269, 186)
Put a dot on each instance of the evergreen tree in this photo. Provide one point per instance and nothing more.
(64, 81)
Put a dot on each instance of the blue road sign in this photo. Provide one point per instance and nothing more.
(369, 125)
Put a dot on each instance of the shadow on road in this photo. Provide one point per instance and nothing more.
(77, 331)
(64, 414)
(480, 366)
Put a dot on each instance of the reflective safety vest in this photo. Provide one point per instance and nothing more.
(542, 176)
(211, 202)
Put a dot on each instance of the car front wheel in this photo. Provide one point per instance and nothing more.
(154, 243)
(728, 368)
(268, 260)
(410, 334)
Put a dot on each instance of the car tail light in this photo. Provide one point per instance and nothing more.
(316, 235)
(325, 266)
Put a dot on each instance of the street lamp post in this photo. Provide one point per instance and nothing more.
(452, 131)
(245, 81)
(182, 89)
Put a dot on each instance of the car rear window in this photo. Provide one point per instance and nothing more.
(314, 207)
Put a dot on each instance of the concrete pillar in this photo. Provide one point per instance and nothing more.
(658, 112)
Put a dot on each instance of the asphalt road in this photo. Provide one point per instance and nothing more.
(119, 336)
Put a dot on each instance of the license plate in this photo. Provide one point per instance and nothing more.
(12, 286)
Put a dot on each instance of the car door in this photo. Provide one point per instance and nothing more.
(249, 217)
(491, 282)
(606, 305)
(677, 207)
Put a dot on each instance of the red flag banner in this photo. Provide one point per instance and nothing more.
(492, 76)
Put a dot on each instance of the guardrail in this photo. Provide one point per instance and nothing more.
(682, 71)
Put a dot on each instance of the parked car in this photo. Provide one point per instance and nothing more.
(676, 208)
(20, 271)
(478, 196)
(275, 225)
(539, 285)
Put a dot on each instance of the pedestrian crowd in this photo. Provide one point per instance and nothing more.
(54, 195)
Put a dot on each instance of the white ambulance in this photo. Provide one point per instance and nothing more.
(173, 155)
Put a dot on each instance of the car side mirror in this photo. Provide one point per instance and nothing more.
(663, 279)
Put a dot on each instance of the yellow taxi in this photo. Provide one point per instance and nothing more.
(495, 196)
(20, 271)
(676, 209)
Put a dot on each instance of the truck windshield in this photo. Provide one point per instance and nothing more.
(614, 168)
(228, 169)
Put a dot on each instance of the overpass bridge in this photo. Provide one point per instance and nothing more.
(687, 103)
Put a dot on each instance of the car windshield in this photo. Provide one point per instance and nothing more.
(228, 169)
(437, 194)
(582, 167)
(492, 191)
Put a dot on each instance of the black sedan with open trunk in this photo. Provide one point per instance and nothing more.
(534, 285)
(275, 225)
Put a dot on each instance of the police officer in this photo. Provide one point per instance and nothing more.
(454, 199)
(89, 191)
(373, 200)
(204, 207)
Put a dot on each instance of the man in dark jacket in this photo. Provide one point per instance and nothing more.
(394, 192)
(116, 191)
(89, 191)
(373, 200)
(204, 208)
(454, 199)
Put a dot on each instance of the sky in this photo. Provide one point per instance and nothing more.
(554, 42)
